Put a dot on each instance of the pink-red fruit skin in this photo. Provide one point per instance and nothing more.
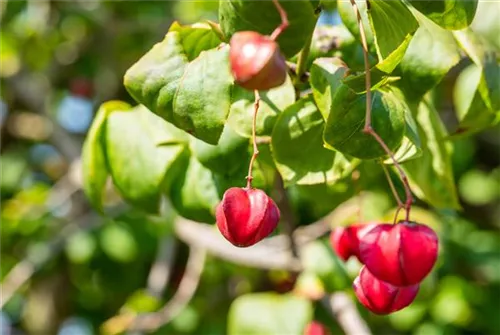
(256, 61)
(245, 216)
(345, 240)
(402, 254)
(316, 328)
(381, 297)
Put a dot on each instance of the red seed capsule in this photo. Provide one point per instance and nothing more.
(402, 254)
(345, 240)
(256, 61)
(246, 216)
(381, 297)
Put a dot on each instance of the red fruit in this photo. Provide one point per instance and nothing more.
(246, 216)
(381, 297)
(401, 254)
(341, 241)
(316, 328)
(345, 240)
(256, 61)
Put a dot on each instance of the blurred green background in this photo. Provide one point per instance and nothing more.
(66, 270)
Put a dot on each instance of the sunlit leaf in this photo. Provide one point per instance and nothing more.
(393, 26)
(449, 14)
(297, 146)
(271, 104)
(194, 194)
(431, 176)
(344, 127)
(269, 314)
(141, 168)
(94, 169)
(421, 70)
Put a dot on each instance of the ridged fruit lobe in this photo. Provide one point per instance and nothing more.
(381, 297)
(256, 61)
(402, 254)
(245, 216)
(345, 240)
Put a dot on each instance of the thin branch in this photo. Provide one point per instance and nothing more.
(284, 21)
(182, 297)
(271, 253)
(368, 117)
(254, 139)
(344, 310)
(160, 272)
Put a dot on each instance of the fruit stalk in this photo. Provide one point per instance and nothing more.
(394, 192)
(368, 116)
(284, 21)
(254, 139)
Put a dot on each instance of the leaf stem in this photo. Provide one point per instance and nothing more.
(368, 122)
(301, 62)
(254, 139)
(284, 21)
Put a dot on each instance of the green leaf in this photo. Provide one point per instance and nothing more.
(194, 195)
(140, 168)
(325, 77)
(344, 127)
(269, 314)
(228, 156)
(271, 104)
(263, 17)
(118, 243)
(449, 14)
(472, 109)
(421, 70)
(297, 147)
(318, 258)
(411, 146)
(94, 168)
(350, 21)
(378, 79)
(486, 58)
(154, 79)
(393, 26)
(431, 176)
(203, 99)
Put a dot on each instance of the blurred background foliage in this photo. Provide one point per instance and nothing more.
(59, 60)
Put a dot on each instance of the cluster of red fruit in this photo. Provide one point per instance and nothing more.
(396, 258)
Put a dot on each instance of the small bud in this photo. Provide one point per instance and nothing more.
(345, 240)
(256, 61)
(246, 216)
(402, 254)
(381, 297)
(316, 328)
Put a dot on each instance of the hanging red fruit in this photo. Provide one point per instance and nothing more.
(381, 297)
(256, 61)
(245, 216)
(345, 240)
(402, 254)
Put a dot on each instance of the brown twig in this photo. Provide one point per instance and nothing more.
(368, 125)
(254, 139)
(341, 306)
(284, 21)
(394, 192)
(182, 297)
